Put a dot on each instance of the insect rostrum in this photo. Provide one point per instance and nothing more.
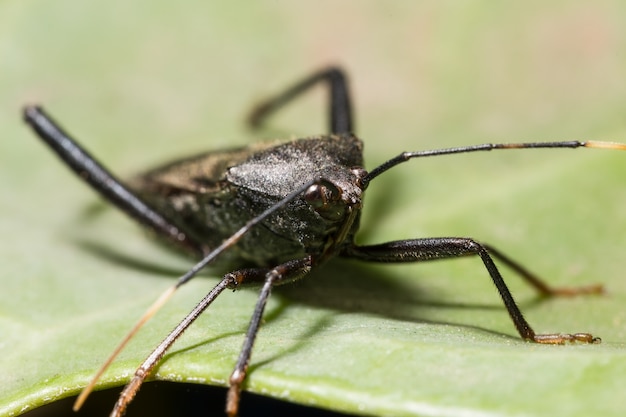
(270, 212)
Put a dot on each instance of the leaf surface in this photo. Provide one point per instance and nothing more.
(144, 82)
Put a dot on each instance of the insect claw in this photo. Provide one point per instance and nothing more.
(232, 400)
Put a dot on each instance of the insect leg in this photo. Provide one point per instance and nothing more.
(104, 182)
(286, 272)
(449, 247)
(340, 117)
(229, 281)
(541, 286)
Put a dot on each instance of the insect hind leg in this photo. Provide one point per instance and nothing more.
(104, 182)
(340, 106)
(416, 250)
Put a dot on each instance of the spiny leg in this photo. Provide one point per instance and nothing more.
(440, 248)
(104, 182)
(340, 109)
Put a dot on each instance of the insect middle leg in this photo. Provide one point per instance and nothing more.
(450, 247)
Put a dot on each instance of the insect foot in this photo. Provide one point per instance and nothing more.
(563, 338)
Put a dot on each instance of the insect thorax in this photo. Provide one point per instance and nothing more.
(213, 195)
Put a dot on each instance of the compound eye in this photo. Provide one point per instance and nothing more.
(326, 200)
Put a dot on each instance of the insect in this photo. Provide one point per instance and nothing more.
(273, 211)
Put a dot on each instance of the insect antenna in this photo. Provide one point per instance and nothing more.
(226, 282)
(405, 156)
(156, 306)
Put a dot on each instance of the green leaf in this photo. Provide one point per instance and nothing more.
(143, 82)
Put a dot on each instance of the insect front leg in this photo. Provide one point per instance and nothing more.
(287, 272)
(449, 247)
(340, 109)
(283, 273)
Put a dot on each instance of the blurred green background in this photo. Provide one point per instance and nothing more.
(142, 82)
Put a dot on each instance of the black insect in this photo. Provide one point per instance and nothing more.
(273, 212)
